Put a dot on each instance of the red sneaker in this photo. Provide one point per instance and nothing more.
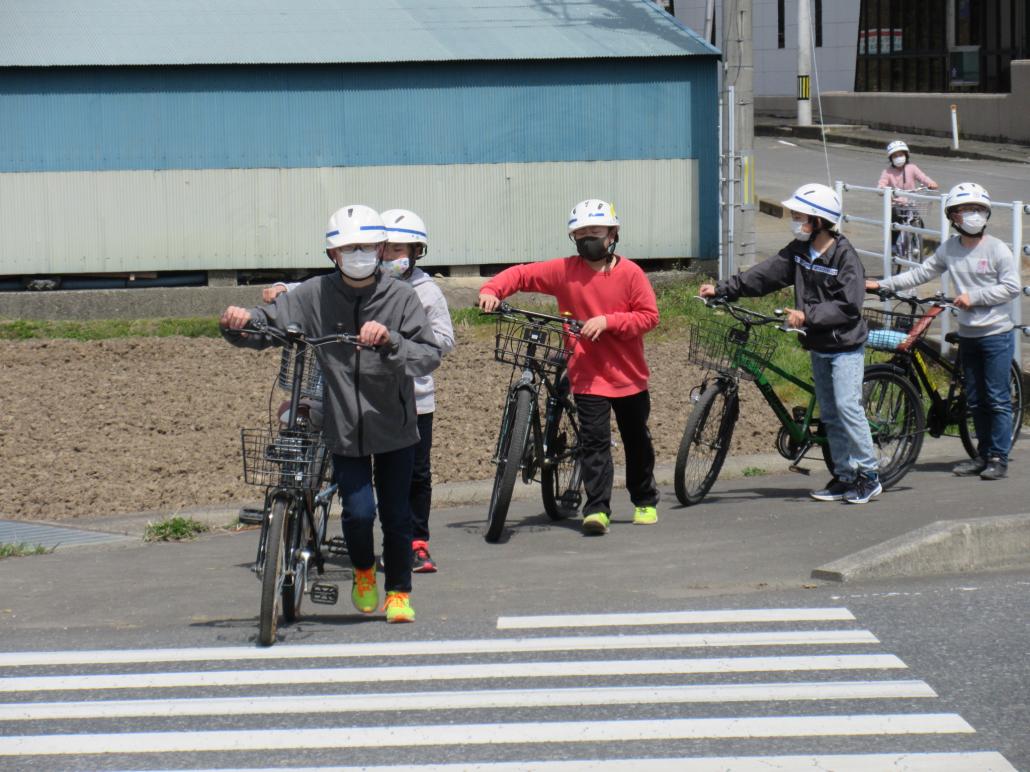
(421, 560)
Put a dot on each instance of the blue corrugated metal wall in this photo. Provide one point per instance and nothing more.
(130, 118)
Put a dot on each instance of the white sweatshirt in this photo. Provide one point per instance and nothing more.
(987, 272)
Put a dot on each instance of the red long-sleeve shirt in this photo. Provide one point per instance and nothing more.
(613, 365)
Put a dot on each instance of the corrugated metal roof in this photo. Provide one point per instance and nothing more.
(184, 32)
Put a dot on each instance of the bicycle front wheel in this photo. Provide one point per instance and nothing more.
(296, 579)
(896, 421)
(273, 571)
(511, 451)
(966, 429)
(562, 473)
(706, 441)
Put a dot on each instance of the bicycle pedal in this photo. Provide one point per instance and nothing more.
(337, 546)
(326, 594)
(251, 516)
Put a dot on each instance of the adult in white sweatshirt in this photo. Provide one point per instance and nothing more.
(987, 278)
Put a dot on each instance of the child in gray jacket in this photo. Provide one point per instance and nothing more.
(370, 415)
(985, 273)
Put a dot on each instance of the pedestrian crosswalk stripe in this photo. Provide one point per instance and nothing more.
(427, 648)
(485, 734)
(416, 673)
(720, 616)
(451, 700)
(976, 761)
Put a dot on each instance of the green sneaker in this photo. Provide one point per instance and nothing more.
(596, 524)
(363, 593)
(398, 607)
(645, 516)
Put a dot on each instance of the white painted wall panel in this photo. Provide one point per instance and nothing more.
(223, 219)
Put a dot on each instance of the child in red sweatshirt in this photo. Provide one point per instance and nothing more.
(607, 370)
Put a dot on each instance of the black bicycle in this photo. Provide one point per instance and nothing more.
(290, 460)
(537, 346)
(902, 335)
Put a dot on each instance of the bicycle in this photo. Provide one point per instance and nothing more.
(292, 463)
(742, 351)
(902, 335)
(538, 344)
(911, 214)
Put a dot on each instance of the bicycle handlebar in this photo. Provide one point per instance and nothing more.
(575, 324)
(937, 299)
(294, 334)
(748, 316)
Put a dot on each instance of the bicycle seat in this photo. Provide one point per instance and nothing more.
(951, 337)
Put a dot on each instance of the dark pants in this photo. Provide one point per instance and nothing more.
(986, 363)
(631, 415)
(392, 481)
(422, 480)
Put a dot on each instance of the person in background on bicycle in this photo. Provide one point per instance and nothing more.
(987, 277)
(407, 241)
(370, 419)
(607, 369)
(902, 174)
(829, 289)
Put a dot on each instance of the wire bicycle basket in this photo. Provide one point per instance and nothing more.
(730, 348)
(283, 459)
(540, 344)
(895, 331)
(313, 382)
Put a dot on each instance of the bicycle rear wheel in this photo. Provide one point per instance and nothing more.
(273, 571)
(561, 475)
(706, 441)
(896, 421)
(966, 429)
(510, 453)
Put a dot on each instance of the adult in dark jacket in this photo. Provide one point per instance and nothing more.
(370, 418)
(829, 289)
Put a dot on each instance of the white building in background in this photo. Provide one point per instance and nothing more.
(775, 42)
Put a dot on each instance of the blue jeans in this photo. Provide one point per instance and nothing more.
(985, 367)
(392, 482)
(838, 390)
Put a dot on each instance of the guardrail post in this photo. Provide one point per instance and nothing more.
(888, 263)
(1017, 254)
(945, 317)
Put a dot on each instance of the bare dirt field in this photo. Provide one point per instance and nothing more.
(152, 424)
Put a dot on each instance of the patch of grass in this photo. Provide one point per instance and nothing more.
(176, 528)
(22, 550)
(754, 471)
(104, 329)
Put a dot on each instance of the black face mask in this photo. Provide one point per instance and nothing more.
(592, 248)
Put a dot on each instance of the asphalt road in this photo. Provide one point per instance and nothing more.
(951, 659)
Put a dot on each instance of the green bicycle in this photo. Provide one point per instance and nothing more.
(743, 351)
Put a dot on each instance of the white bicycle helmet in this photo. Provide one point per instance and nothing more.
(815, 199)
(967, 193)
(895, 147)
(593, 211)
(404, 227)
(354, 224)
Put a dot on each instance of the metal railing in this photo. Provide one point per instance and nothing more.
(889, 229)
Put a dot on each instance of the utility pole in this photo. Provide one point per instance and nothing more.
(739, 136)
(804, 62)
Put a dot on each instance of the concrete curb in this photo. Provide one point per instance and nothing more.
(943, 547)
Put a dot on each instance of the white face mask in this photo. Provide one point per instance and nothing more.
(398, 267)
(800, 234)
(359, 264)
(899, 161)
(974, 222)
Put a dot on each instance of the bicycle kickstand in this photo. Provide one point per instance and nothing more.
(795, 464)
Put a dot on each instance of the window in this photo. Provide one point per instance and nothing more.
(780, 29)
(818, 23)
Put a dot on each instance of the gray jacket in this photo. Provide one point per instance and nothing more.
(369, 395)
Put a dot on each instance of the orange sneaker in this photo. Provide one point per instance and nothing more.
(398, 607)
(363, 593)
